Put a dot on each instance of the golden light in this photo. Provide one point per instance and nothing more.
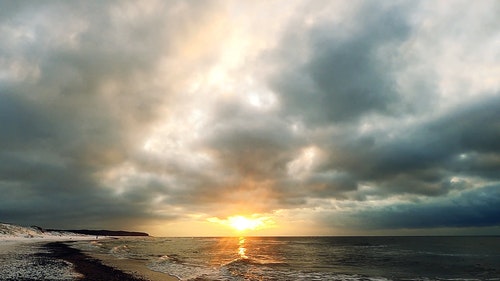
(241, 248)
(242, 223)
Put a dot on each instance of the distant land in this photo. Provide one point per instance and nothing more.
(103, 232)
(12, 230)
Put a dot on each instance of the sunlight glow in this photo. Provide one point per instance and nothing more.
(241, 248)
(241, 223)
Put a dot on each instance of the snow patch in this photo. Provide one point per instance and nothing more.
(23, 257)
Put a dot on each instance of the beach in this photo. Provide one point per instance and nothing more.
(53, 258)
(26, 259)
(354, 258)
(98, 262)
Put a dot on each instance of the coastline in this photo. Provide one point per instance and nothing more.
(52, 258)
(27, 259)
(133, 268)
(91, 269)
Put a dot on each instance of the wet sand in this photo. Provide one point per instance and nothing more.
(105, 268)
(29, 260)
(134, 267)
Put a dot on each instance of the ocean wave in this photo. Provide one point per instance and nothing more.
(121, 251)
(252, 261)
(173, 266)
(335, 259)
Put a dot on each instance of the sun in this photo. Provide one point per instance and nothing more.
(241, 223)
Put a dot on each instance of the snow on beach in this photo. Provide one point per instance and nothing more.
(23, 257)
(14, 235)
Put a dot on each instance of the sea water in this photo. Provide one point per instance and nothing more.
(313, 258)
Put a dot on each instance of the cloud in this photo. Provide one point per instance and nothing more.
(91, 96)
(165, 110)
(426, 157)
(344, 76)
(475, 208)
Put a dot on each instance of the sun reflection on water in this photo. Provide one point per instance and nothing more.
(241, 248)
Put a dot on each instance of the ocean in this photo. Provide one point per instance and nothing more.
(312, 258)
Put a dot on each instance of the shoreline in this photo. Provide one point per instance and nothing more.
(97, 267)
(27, 259)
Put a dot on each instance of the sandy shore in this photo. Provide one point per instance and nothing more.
(103, 267)
(27, 260)
(53, 259)
(134, 267)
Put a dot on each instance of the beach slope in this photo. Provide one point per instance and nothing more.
(32, 253)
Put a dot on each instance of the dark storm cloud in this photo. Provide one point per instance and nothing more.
(20, 121)
(74, 98)
(256, 147)
(345, 77)
(474, 208)
(461, 142)
(347, 81)
(421, 159)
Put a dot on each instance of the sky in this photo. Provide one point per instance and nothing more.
(303, 117)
